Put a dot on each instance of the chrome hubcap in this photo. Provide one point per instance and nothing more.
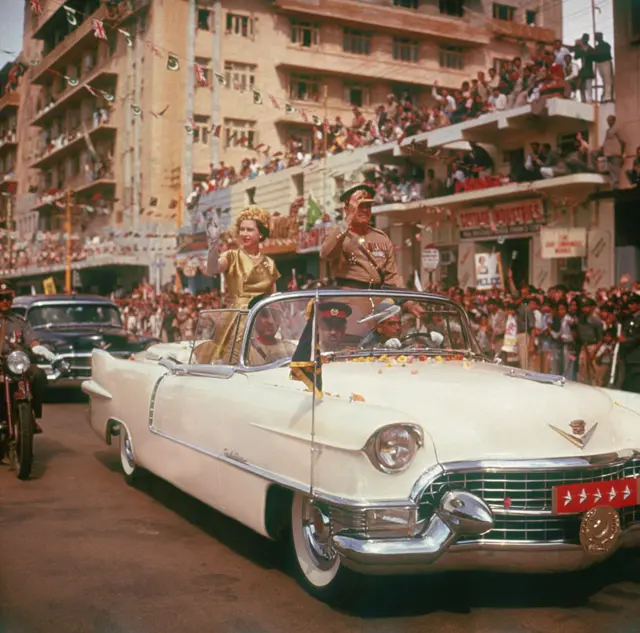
(316, 529)
(128, 451)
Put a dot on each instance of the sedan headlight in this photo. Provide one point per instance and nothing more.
(392, 448)
(18, 362)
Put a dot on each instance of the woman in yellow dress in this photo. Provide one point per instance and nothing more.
(248, 274)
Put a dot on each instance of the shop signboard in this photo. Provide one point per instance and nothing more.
(563, 243)
(284, 236)
(523, 216)
(310, 241)
(489, 271)
(430, 259)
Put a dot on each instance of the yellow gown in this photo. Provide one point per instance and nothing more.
(245, 279)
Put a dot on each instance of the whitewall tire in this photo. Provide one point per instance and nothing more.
(127, 459)
(316, 564)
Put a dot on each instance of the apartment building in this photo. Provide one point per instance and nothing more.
(626, 15)
(126, 107)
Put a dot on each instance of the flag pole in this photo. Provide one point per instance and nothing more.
(314, 359)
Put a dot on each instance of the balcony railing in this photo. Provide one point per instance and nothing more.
(103, 71)
(82, 185)
(384, 13)
(9, 101)
(521, 31)
(83, 31)
(67, 144)
(124, 11)
(8, 139)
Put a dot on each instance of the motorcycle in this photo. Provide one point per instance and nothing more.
(17, 418)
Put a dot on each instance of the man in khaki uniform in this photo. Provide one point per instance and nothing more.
(613, 150)
(360, 256)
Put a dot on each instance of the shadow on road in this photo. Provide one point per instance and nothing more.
(65, 396)
(406, 596)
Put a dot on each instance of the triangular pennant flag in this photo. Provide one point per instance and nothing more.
(304, 116)
(173, 63)
(257, 97)
(91, 90)
(107, 96)
(306, 362)
(98, 29)
(72, 81)
(316, 120)
(71, 15)
(221, 80)
(201, 78)
(288, 108)
(137, 110)
(35, 7)
(127, 37)
(153, 201)
(274, 102)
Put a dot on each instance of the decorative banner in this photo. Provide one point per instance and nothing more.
(283, 238)
(488, 271)
(430, 259)
(513, 217)
(563, 243)
(173, 63)
(71, 15)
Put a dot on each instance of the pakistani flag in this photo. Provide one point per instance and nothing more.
(71, 16)
(314, 212)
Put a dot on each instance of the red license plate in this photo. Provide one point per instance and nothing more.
(577, 498)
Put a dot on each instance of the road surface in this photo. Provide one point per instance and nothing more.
(82, 551)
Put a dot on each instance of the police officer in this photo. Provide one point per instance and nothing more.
(630, 346)
(333, 316)
(14, 330)
(359, 255)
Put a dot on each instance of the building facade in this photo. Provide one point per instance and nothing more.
(125, 107)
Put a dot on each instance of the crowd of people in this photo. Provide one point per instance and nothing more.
(561, 71)
(572, 333)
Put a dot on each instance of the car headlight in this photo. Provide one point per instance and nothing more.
(392, 448)
(18, 362)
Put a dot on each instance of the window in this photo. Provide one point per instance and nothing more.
(239, 25)
(239, 76)
(451, 57)
(203, 17)
(498, 63)
(356, 94)
(356, 42)
(250, 196)
(201, 129)
(298, 180)
(304, 88)
(405, 50)
(406, 4)
(205, 65)
(530, 18)
(239, 132)
(503, 12)
(454, 8)
(305, 34)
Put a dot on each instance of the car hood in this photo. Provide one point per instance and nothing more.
(86, 338)
(475, 410)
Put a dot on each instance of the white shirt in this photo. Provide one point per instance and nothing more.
(560, 54)
(499, 102)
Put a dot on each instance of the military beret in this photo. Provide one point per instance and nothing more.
(334, 310)
(349, 192)
(6, 286)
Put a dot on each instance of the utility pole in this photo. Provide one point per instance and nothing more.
(325, 142)
(9, 228)
(215, 92)
(67, 268)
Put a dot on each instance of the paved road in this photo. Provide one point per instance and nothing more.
(81, 551)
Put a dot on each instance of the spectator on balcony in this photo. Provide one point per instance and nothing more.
(482, 88)
(434, 187)
(613, 150)
(633, 174)
(478, 162)
(554, 164)
(560, 52)
(571, 76)
(494, 80)
(497, 100)
(446, 101)
(604, 64)
(584, 52)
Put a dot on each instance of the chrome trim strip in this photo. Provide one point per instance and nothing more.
(152, 401)
(548, 379)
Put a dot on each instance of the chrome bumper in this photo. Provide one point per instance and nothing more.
(445, 543)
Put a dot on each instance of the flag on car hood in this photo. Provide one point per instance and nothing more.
(306, 362)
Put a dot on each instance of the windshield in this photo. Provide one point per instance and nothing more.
(356, 325)
(73, 314)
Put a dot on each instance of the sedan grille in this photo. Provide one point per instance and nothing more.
(507, 492)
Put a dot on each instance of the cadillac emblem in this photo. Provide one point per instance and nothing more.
(579, 435)
(600, 530)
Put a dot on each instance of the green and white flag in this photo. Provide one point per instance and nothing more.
(71, 16)
(314, 212)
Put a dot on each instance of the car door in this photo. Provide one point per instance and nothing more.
(191, 399)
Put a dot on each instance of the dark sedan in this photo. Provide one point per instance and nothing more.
(72, 326)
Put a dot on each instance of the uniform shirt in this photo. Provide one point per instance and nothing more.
(263, 353)
(347, 261)
(613, 141)
(17, 331)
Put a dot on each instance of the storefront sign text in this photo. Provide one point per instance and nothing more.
(563, 243)
(515, 217)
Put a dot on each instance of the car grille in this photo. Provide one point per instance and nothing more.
(529, 491)
(81, 365)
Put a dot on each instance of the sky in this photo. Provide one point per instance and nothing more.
(576, 21)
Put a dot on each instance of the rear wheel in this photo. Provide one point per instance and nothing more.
(316, 564)
(23, 443)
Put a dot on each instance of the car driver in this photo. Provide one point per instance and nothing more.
(332, 324)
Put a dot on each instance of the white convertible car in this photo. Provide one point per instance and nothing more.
(391, 445)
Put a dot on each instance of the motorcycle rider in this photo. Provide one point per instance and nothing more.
(16, 330)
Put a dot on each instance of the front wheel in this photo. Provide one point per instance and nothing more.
(316, 564)
(23, 441)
